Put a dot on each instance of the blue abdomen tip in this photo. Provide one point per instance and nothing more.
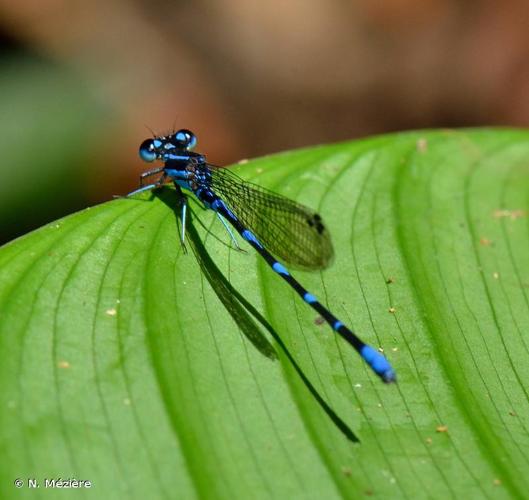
(379, 364)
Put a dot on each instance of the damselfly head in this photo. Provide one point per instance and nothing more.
(155, 149)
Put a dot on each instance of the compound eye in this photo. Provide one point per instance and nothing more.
(147, 151)
(186, 138)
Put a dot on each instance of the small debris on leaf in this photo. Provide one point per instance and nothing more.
(319, 321)
(422, 145)
(511, 214)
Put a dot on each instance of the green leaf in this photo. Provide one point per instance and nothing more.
(155, 374)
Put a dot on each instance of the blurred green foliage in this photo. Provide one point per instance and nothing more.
(47, 122)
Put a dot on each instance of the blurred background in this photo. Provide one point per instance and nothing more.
(81, 81)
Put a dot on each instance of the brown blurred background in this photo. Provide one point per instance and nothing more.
(80, 81)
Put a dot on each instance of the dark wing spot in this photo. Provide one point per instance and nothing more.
(315, 221)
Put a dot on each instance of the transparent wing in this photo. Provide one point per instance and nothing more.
(292, 232)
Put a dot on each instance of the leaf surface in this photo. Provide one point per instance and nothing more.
(158, 374)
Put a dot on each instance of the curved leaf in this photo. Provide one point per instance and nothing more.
(156, 374)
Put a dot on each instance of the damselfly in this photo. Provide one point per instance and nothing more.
(270, 223)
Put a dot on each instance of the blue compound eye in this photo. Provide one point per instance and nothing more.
(185, 138)
(147, 150)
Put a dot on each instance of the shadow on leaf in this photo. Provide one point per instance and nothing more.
(240, 309)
